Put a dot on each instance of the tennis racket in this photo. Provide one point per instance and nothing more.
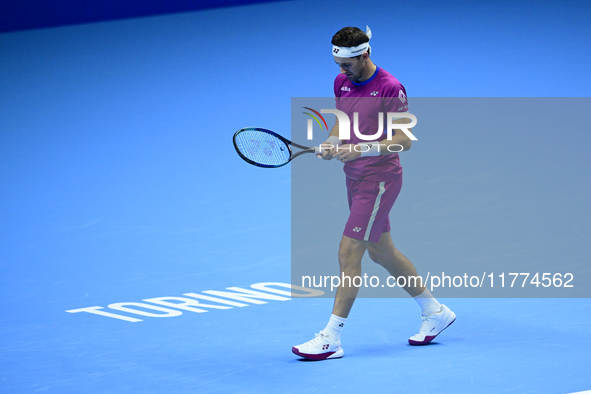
(265, 148)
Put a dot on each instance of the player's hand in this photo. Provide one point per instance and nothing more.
(347, 153)
(328, 151)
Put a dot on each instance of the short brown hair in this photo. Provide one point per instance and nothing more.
(349, 37)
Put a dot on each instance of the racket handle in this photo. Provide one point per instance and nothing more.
(318, 151)
(332, 140)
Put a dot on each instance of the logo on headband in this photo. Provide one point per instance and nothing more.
(336, 50)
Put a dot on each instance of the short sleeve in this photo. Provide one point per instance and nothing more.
(395, 99)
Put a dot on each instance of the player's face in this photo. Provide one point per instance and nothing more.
(350, 66)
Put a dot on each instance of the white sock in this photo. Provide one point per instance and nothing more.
(334, 327)
(427, 303)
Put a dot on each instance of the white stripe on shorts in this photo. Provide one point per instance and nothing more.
(374, 213)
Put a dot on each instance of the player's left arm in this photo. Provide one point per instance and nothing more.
(400, 142)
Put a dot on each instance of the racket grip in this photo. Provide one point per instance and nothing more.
(332, 141)
(317, 151)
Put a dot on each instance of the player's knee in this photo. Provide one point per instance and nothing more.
(350, 253)
(351, 246)
(374, 255)
(383, 252)
(345, 255)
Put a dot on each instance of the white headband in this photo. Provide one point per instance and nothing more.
(352, 51)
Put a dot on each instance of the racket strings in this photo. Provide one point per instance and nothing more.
(262, 148)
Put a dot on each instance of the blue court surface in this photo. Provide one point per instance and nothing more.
(131, 233)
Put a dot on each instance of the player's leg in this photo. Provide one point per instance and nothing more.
(350, 253)
(435, 316)
(327, 343)
(364, 198)
(369, 202)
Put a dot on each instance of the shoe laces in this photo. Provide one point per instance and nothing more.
(320, 337)
(427, 322)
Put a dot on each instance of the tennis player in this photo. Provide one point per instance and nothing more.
(374, 179)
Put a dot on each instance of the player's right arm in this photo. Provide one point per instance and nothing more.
(329, 146)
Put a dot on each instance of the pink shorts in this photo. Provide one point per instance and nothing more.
(370, 204)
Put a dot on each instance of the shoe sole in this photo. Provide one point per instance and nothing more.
(319, 357)
(428, 338)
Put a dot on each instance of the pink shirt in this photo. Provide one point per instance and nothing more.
(380, 93)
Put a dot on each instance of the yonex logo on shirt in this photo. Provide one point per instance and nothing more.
(374, 93)
(346, 88)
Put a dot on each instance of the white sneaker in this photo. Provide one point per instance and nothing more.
(320, 348)
(432, 326)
